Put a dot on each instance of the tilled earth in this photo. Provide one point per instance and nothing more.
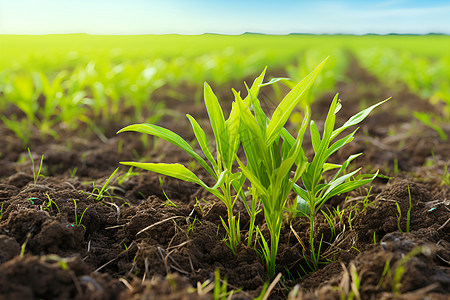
(60, 240)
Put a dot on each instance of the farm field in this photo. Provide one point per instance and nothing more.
(262, 215)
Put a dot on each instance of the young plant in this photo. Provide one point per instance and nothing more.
(36, 173)
(105, 186)
(269, 166)
(219, 166)
(78, 220)
(49, 205)
(315, 192)
(408, 214)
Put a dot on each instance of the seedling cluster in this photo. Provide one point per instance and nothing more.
(273, 164)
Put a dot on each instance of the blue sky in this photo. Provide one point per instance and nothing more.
(227, 17)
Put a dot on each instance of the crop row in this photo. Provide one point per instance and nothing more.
(103, 89)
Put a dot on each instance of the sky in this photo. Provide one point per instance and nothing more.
(224, 17)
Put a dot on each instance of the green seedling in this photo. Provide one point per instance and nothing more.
(168, 202)
(73, 172)
(329, 219)
(408, 214)
(269, 166)
(126, 176)
(350, 283)
(192, 224)
(49, 206)
(432, 121)
(36, 173)
(24, 245)
(104, 187)
(226, 134)
(78, 221)
(315, 191)
(395, 277)
(218, 287)
(61, 261)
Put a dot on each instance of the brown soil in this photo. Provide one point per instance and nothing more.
(58, 241)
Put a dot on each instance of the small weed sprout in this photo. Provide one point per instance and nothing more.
(399, 217)
(78, 221)
(24, 245)
(395, 277)
(168, 202)
(408, 214)
(36, 173)
(329, 219)
(105, 186)
(49, 206)
(121, 179)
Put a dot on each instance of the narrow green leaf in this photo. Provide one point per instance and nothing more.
(330, 121)
(287, 105)
(202, 140)
(338, 181)
(217, 120)
(233, 142)
(172, 138)
(255, 87)
(357, 118)
(328, 166)
(345, 165)
(277, 79)
(252, 178)
(315, 136)
(260, 116)
(256, 134)
(348, 186)
(338, 144)
(302, 206)
(173, 170)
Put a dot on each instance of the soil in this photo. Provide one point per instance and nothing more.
(60, 240)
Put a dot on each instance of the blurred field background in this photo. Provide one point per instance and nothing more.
(63, 80)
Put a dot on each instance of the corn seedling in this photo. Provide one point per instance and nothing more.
(268, 165)
(226, 133)
(315, 193)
